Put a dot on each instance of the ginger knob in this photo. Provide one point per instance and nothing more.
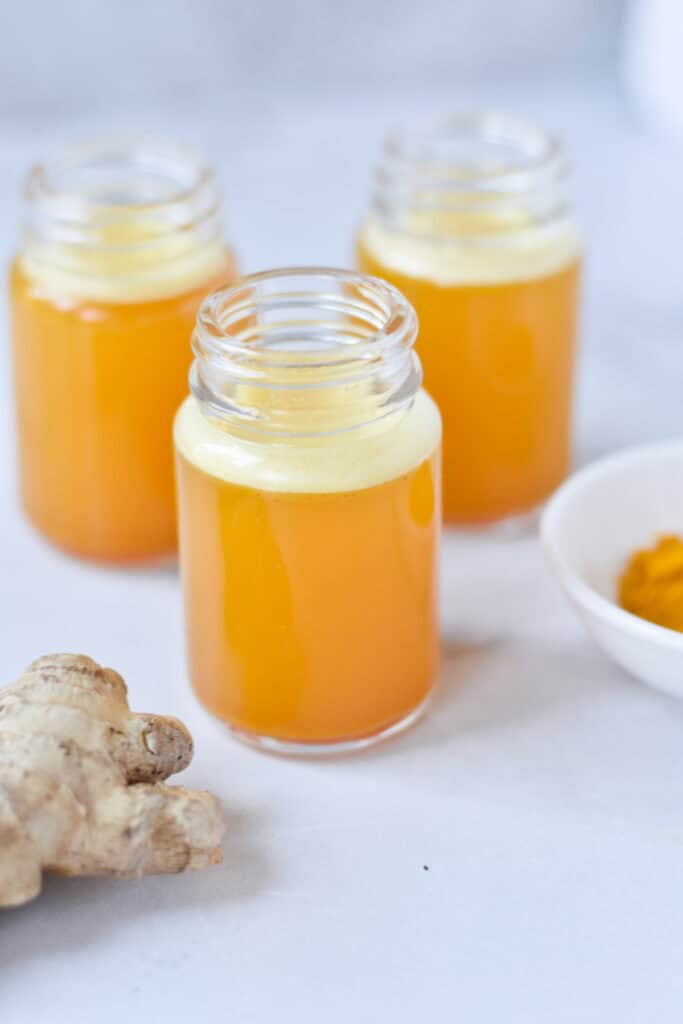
(80, 783)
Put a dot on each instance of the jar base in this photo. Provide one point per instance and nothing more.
(521, 524)
(165, 557)
(293, 748)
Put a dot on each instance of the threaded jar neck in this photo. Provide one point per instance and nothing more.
(304, 352)
(122, 218)
(470, 175)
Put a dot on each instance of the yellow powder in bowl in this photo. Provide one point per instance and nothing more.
(652, 583)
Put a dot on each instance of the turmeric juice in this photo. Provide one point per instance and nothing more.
(309, 561)
(101, 322)
(495, 287)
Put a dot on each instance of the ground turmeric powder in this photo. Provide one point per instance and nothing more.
(652, 583)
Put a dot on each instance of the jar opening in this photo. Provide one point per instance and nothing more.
(477, 151)
(477, 174)
(123, 221)
(305, 351)
(115, 174)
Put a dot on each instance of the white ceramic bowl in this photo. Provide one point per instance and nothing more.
(588, 530)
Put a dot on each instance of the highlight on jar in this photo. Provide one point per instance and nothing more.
(470, 219)
(121, 242)
(308, 467)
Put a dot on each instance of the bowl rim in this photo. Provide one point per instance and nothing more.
(574, 584)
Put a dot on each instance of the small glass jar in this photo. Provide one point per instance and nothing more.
(471, 221)
(309, 511)
(121, 243)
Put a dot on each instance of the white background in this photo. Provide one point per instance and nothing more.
(544, 791)
(97, 55)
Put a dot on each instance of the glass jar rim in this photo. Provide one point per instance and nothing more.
(393, 318)
(541, 157)
(146, 155)
(125, 219)
(270, 348)
(131, 202)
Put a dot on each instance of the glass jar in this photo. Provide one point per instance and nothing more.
(121, 242)
(309, 511)
(471, 221)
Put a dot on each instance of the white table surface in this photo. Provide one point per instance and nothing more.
(518, 856)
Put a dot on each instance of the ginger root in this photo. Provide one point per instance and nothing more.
(80, 790)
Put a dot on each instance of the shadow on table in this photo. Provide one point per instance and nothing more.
(71, 913)
(492, 686)
(497, 687)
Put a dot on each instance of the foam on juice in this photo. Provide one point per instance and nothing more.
(472, 247)
(128, 261)
(350, 460)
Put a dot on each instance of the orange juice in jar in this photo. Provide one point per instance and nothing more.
(121, 243)
(309, 512)
(471, 222)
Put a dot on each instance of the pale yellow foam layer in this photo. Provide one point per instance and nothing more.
(171, 266)
(474, 249)
(349, 461)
